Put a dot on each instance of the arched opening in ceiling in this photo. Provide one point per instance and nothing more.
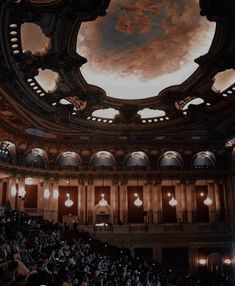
(195, 101)
(224, 80)
(108, 113)
(39, 44)
(47, 79)
(151, 113)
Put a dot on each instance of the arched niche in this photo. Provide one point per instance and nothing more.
(7, 151)
(36, 158)
(68, 159)
(102, 160)
(204, 160)
(170, 159)
(136, 160)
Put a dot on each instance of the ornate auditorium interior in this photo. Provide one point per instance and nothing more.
(117, 128)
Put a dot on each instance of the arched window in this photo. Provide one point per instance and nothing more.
(7, 151)
(204, 159)
(36, 158)
(136, 160)
(170, 159)
(68, 159)
(102, 160)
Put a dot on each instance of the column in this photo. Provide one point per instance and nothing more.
(229, 201)
(178, 196)
(90, 202)
(123, 204)
(212, 208)
(150, 203)
(55, 197)
(53, 202)
(190, 198)
(147, 201)
(46, 201)
(81, 202)
(1, 191)
(21, 190)
(114, 201)
(11, 192)
(193, 257)
(157, 202)
(184, 203)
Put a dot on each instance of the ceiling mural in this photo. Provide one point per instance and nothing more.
(141, 47)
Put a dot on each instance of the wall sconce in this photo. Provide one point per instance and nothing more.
(202, 261)
(13, 189)
(46, 194)
(55, 194)
(28, 181)
(227, 261)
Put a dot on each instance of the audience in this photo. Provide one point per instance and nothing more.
(33, 254)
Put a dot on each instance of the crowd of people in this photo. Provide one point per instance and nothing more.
(34, 254)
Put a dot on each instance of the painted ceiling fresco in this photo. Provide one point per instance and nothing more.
(141, 47)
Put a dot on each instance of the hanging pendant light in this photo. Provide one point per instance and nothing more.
(208, 201)
(137, 202)
(173, 202)
(68, 202)
(103, 202)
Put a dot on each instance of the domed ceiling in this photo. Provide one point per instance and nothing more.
(156, 69)
(141, 47)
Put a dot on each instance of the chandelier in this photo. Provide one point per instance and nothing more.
(68, 202)
(137, 202)
(103, 202)
(173, 202)
(208, 201)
